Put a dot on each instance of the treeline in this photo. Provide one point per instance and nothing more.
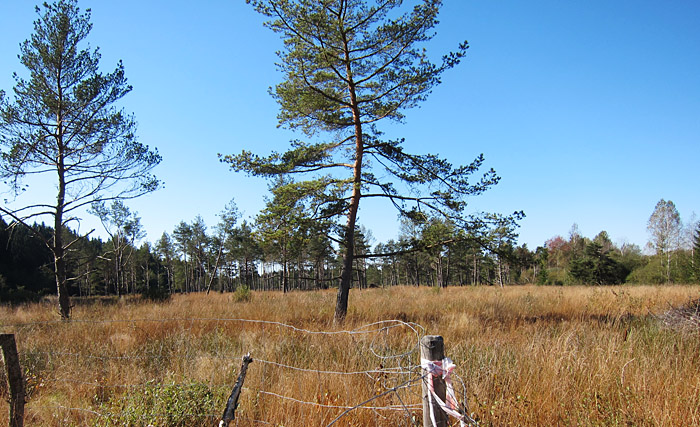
(275, 253)
(598, 261)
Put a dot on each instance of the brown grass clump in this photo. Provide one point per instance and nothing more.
(537, 356)
(685, 318)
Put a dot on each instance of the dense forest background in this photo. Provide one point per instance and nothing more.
(278, 252)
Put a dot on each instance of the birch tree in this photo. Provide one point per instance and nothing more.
(664, 227)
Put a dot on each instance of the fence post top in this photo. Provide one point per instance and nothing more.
(432, 347)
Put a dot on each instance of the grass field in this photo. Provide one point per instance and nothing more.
(527, 355)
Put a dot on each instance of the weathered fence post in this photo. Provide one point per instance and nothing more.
(14, 378)
(232, 404)
(432, 348)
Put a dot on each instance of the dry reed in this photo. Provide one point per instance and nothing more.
(528, 356)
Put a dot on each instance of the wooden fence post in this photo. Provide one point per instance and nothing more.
(14, 378)
(232, 404)
(432, 348)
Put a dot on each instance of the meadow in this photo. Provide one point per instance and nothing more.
(526, 355)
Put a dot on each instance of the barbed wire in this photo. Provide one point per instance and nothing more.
(360, 406)
(392, 370)
(402, 407)
(407, 384)
(409, 372)
(415, 327)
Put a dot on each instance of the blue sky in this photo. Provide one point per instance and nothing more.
(589, 111)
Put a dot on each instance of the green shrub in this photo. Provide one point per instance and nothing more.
(242, 294)
(558, 277)
(650, 274)
(176, 405)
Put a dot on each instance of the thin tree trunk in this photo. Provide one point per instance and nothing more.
(285, 276)
(341, 305)
(449, 263)
(58, 250)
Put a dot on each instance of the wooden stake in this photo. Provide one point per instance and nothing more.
(232, 404)
(14, 378)
(432, 348)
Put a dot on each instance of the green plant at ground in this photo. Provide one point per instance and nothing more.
(176, 405)
(242, 294)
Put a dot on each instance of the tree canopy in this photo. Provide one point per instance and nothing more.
(664, 227)
(63, 123)
(347, 66)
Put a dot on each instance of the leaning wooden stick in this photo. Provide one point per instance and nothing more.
(232, 404)
(14, 378)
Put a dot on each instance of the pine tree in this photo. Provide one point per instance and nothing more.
(63, 123)
(348, 66)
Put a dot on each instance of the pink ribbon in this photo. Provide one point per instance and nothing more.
(442, 368)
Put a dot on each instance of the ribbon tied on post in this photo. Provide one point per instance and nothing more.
(442, 368)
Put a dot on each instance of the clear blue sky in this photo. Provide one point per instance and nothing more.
(589, 110)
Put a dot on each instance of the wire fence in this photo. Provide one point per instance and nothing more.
(179, 371)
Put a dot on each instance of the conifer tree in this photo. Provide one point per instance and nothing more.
(349, 65)
(63, 123)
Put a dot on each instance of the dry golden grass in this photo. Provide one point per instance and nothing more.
(529, 356)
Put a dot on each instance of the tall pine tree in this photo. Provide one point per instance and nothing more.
(63, 123)
(348, 65)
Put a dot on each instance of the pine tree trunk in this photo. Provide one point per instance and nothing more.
(285, 275)
(63, 297)
(60, 262)
(58, 250)
(341, 305)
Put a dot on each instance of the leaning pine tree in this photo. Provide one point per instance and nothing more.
(349, 65)
(63, 124)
